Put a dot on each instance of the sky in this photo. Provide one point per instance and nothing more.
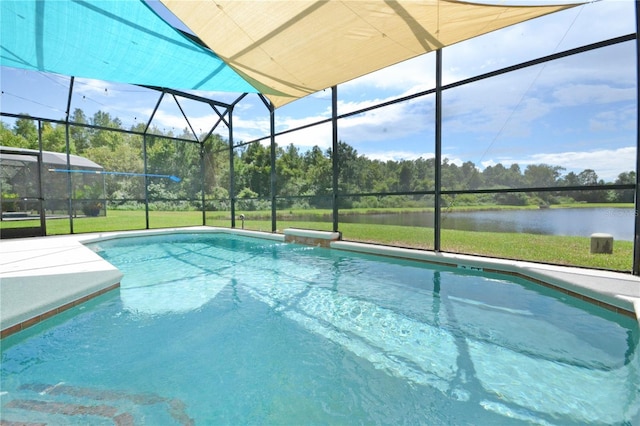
(577, 113)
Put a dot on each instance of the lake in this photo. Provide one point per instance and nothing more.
(618, 222)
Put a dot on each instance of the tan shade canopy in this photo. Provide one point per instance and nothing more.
(289, 49)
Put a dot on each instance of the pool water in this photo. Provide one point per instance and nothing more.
(222, 329)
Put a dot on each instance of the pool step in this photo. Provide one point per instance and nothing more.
(311, 237)
(38, 402)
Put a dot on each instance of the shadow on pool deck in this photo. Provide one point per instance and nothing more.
(43, 276)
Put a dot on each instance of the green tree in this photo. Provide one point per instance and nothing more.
(216, 164)
(471, 175)
(348, 167)
(405, 176)
(54, 138)
(542, 175)
(515, 176)
(104, 137)
(26, 128)
(80, 135)
(104, 119)
(590, 177)
(375, 177)
(625, 195)
(254, 170)
(125, 158)
(424, 177)
(499, 176)
(570, 179)
(289, 171)
(319, 177)
(9, 138)
(452, 177)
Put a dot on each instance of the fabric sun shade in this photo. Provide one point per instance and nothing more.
(116, 40)
(303, 46)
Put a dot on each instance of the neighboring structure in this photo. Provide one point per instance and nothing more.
(31, 192)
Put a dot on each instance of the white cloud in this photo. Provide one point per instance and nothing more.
(584, 93)
(386, 124)
(609, 121)
(92, 87)
(176, 123)
(398, 155)
(409, 76)
(607, 163)
(320, 135)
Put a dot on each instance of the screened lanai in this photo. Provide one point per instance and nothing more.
(28, 177)
(253, 156)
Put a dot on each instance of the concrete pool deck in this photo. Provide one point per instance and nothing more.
(43, 276)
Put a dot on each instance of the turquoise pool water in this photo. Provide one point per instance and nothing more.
(220, 329)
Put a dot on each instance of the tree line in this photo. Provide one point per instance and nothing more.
(304, 175)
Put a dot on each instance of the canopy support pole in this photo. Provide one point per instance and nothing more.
(144, 160)
(66, 137)
(203, 178)
(232, 177)
(274, 187)
(146, 181)
(41, 200)
(272, 158)
(636, 233)
(437, 223)
(334, 144)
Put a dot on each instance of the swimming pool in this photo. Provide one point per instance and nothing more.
(222, 329)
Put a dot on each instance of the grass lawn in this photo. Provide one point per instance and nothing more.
(539, 248)
(573, 251)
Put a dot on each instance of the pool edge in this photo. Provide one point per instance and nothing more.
(23, 325)
(63, 272)
(614, 291)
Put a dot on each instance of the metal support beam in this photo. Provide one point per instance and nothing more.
(66, 137)
(146, 179)
(217, 123)
(41, 200)
(232, 178)
(437, 223)
(636, 233)
(144, 159)
(202, 183)
(193, 132)
(187, 95)
(334, 150)
(153, 113)
(274, 187)
(272, 158)
(203, 160)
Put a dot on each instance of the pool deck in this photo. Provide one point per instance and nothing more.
(43, 276)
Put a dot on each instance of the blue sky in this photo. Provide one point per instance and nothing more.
(577, 113)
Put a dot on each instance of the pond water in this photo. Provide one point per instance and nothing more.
(618, 222)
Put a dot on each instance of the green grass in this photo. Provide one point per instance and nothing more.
(116, 220)
(561, 250)
(593, 205)
(539, 248)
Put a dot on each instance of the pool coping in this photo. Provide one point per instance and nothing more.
(63, 272)
(616, 291)
(44, 276)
